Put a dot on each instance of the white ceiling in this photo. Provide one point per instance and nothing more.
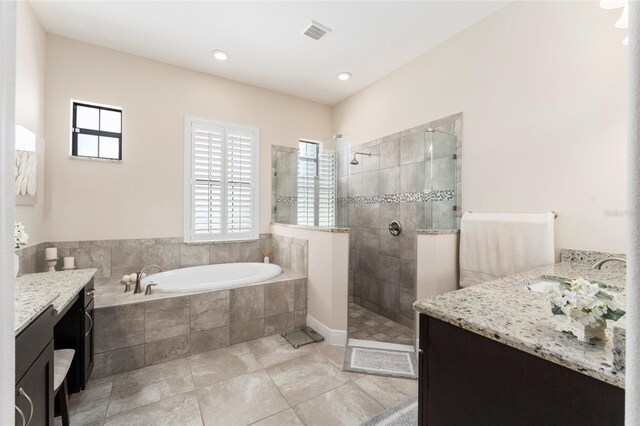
(264, 39)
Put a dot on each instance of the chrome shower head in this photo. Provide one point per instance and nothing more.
(355, 161)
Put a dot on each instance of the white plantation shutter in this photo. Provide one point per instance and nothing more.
(241, 162)
(307, 173)
(327, 189)
(316, 185)
(222, 176)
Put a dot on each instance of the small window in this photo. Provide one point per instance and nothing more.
(96, 131)
(221, 181)
(316, 185)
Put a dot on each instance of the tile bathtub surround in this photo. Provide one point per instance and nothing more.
(135, 335)
(32, 258)
(291, 254)
(115, 258)
(255, 382)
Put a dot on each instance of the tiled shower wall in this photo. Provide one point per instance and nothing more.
(114, 258)
(382, 268)
(394, 183)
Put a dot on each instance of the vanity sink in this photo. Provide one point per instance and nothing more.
(542, 284)
(545, 283)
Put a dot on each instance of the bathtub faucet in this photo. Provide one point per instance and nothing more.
(138, 288)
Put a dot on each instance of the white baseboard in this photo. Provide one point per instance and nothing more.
(334, 337)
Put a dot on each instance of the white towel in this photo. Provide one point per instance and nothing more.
(495, 245)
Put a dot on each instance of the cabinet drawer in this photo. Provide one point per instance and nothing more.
(32, 341)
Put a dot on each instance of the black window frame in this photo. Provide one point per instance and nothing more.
(75, 131)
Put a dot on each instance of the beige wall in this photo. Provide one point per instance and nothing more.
(30, 107)
(542, 88)
(327, 282)
(437, 261)
(143, 196)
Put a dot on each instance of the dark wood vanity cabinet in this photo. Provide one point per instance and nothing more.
(34, 372)
(74, 330)
(468, 379)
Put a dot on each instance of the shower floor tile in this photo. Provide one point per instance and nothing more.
(263, 380)
(367, 325)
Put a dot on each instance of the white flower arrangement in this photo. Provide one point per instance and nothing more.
(584, 302)
(20, 236)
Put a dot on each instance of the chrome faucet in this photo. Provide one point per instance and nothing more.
(139, 278)
(148, 291)
(599, 263)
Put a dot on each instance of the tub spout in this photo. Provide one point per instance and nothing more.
(138, 288)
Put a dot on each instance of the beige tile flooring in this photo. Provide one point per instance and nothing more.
(260, 382)
(367, 325)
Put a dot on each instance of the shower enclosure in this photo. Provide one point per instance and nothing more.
(411, 177)
(304, 183)
(440, 183)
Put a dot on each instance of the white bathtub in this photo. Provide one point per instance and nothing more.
(224, 276)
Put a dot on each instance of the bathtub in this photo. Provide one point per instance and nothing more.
(224, 276)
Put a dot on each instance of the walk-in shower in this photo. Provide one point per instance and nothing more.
(399, 184)
(384, 191)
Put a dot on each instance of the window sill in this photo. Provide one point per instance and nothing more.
(216, 242)
(100, 160)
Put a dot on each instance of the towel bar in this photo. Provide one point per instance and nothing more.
(555, 214)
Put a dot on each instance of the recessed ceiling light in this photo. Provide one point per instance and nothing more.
(344, 76)
(220, 55)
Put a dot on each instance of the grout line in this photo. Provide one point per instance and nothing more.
(195, 393)
(279, 412)
(279, 391)
(146, 405)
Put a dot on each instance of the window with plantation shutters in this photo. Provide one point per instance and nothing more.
(316, 185)
(307, 182)
(221, 181)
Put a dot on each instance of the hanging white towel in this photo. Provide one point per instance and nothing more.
(495, 245)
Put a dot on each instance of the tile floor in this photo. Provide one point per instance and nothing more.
(367, 325)
(261, 382)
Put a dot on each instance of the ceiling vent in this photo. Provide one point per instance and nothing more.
(316, 30)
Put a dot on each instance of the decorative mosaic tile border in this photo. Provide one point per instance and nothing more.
(286, 199)
(405, 197)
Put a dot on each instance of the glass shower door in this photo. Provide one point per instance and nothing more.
(441, 169)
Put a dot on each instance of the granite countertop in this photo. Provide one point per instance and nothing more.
(110, 291)
(506, 311)
(35, 292)
(437, 231)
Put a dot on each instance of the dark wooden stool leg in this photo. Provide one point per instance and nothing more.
(64, 402)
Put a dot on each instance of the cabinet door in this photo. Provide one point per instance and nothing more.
(88, 342)
(34, 392)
